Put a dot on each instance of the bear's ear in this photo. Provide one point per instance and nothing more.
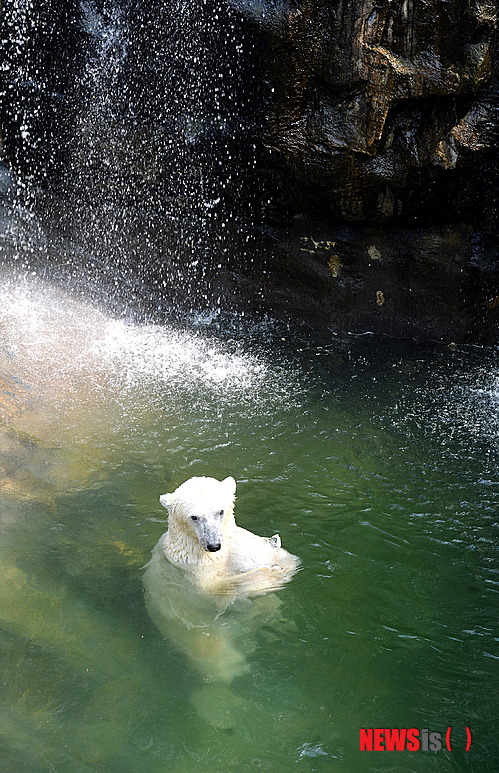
(166, 500)
(230, 485)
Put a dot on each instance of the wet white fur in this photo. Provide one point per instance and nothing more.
(188, 587)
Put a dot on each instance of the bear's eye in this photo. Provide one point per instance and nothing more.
(221, 512)
(194, 518)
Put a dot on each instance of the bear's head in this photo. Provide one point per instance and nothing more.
(202, 508)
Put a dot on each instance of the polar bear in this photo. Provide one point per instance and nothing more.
(205, 564)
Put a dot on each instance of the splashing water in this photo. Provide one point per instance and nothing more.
(377, 468)
(54, 338)
(142, 154)
(459, 409)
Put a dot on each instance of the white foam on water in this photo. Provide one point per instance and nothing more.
(175, 358)
(458, 406)
(52, 337)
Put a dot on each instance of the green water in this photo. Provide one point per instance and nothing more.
(375, 461)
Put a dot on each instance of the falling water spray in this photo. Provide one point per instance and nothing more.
(131, 130)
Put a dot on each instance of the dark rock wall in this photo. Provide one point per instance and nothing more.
(386, 110)
(383, 130)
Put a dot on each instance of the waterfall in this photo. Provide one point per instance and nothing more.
(131, 131)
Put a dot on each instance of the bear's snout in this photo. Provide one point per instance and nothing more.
(213, 546)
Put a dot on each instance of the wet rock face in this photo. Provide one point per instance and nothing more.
(382, 110)
(437, 283)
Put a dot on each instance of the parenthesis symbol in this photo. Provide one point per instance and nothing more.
(447, 739)
(468, 733)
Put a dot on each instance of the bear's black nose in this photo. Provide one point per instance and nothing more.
(213, 547)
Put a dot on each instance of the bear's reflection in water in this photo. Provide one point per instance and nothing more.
(216, 633)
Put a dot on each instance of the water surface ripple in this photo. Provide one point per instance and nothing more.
(376, 462)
